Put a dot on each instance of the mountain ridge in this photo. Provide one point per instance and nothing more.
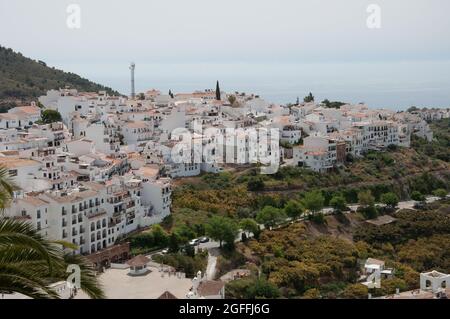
(23, 79)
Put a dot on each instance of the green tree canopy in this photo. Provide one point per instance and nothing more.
(309, 98)
(255, 183)
(270, 216)
(366, 199)
(51, 116)
(389, 199)
(232, 99)
(313, 201)
(417, 196)
(222, 229)
(262, 289)
(293, 209)
(338, 202)
(174, 242)
(440, 192)
(356, 291)
(249, 226)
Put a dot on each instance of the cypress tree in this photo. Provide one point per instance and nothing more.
(218, 91)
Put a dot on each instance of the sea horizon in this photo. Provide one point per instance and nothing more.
(392, 85)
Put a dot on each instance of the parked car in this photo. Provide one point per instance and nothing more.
(194, 242)
(204, 240)
(165, 251)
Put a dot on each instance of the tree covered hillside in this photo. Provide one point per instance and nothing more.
(23, 79)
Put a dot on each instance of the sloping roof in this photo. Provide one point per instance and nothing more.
(167, 295)
(381, 220)
(210, 288)
(373, 261)
(34, 201)
(138, 261)
(15, 162)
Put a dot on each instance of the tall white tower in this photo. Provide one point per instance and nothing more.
(133, 92)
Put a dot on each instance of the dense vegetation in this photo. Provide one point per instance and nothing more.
(300, 262)
(189, 264)
(439, 148)
(398, 174)
(23, 79)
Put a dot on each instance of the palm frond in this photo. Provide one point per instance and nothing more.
(22, 234)
(29, 262)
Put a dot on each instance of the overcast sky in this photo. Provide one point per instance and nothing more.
(192, 31)
(279, 48)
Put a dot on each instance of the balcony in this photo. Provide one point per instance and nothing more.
(130, 205)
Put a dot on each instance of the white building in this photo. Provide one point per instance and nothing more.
(318, 153)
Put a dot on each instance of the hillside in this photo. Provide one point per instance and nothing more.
(306, 260)
(23, 79)
(422, 168)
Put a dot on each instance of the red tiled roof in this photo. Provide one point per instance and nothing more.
(138, 261)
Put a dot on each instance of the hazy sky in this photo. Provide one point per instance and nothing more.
(185, 31)
(279, 48)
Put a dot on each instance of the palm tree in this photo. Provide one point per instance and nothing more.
(29, 263)
(7, 187)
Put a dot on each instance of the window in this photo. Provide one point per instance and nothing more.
(38, 214)
(13, 172)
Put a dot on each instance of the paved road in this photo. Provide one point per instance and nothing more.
(212, 263)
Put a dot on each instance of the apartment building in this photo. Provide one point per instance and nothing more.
(318, 153)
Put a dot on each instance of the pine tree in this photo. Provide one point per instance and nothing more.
(218, 91)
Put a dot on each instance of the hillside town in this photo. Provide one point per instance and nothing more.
(104, 168)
